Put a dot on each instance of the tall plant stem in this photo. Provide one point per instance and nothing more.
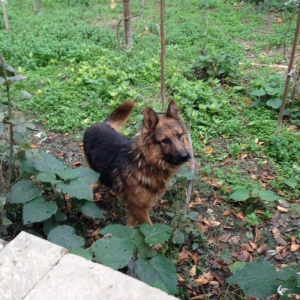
(163, 52)
(288, 76)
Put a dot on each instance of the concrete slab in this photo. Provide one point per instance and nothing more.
(23, 262)
(75, 278)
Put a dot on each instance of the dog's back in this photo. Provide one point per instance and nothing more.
(105, 149)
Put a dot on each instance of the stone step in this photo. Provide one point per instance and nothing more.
(35, 269)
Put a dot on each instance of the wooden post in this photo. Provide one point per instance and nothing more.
(288, 76)
(127, 24)
(163, 52)
(5, 15)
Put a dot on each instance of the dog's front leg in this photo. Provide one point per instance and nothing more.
(137, 215)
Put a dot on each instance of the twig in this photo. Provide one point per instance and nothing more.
(192, 163)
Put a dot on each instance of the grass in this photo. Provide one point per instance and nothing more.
(216, 53)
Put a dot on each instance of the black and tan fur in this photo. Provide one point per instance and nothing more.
(138, 170)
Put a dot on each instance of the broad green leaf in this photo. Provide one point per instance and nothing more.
(178, 237)
(28, 165)
(257, 279)
(274, 103)
(160, 285)
(240, 195)
(67, 174)
(259, 93)
(6, 222)
(118, 231)
(144, 249)
(267, 195)
(24, 191)
(156, 234)
(47, 177)
(81, 252)
(77, 189)
(87, 176)
(226, 256)
(115, 252)
(38, 210)
(65, 236)
(48, 162)
(1, 128)
(90, 209)
(236, 266)
(157, 269)
(291, 182)
(60, 216)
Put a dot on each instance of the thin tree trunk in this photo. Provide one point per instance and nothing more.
(127, 24)
(5, 15)
(286, 88)
(163, 52)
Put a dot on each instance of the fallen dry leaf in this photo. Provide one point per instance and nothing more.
(224, 238)
(226, 212)
(193, 270)
(180, 279)
(208, 150)
(252, 244)
(247, 247)
(234, 240)
(183, 256)
(282, 209)
(294, 245)
(212, 181)
(243, 256)
(262, 249)
(203, 279)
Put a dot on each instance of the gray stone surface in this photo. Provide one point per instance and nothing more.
(35, 269)
(75, 278)
(23, 262)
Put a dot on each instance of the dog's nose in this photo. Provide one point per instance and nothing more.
(185, 156)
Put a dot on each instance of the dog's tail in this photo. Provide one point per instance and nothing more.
(118, 118)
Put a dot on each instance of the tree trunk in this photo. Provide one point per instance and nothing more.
(5, 15)
(127, 24)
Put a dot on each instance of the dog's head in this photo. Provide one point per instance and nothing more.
(166, 135)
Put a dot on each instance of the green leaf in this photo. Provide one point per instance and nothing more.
(156, 234)
(6, 222)
(38, 210)
(240, 195)
(90, 209)
(87, 176)
(267, 195)
(259, 93)
(144, 249)
(77, 189)
(115, 252)
(226, 256)
(48, 162)
(118, 231)
(274, 103)
(178, 237)
(157, 269)
(257, 279)
(291, 182)
(67, 174)
(81, 252)
(24, 191)
(47, 177)
(236, 266)
(60, 216)
(65, 236)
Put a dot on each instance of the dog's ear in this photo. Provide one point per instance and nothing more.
(173, 111)
(150, 118)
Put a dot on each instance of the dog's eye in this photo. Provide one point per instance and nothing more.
(166, 141)
(179, 135)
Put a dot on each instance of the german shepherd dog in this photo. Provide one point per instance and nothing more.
(138, 170)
